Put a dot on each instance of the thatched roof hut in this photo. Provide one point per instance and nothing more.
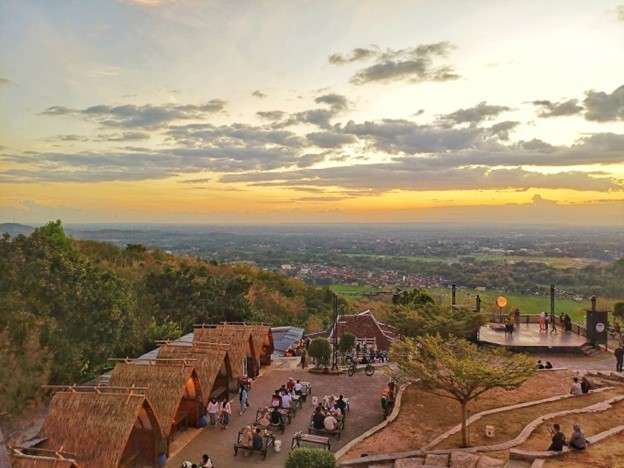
(211, 363)
(102, 427)
(243, 357)
(172, 388)
(38, 458)
(261, 334)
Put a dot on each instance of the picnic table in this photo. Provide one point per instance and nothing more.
(281, 427)
(324, 432)
(268, 441)
(310, 439)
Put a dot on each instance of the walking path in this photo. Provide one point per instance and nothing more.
(363, 392)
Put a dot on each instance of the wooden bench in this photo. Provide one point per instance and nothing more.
(311, 439)
(281, 427)
(268, 442)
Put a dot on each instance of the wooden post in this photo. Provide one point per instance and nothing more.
(453, 293)
(552, 301)
(478, 303)
(593, 303)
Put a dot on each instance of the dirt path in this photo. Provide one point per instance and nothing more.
(363, 391)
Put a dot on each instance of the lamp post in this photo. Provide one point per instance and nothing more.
(335, 337)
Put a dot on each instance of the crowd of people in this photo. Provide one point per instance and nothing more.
(329, 413)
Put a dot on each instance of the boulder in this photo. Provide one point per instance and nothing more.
(409, 462)
(435, 459)
(490, 462)
(463, 460)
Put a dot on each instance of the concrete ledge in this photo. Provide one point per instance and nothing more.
(391, 417)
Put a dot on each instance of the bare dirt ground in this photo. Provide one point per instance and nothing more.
(424, 416)
(510, 423)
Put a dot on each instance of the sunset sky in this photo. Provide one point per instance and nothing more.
(204, 111)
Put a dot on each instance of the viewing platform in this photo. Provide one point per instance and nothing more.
(527, 338)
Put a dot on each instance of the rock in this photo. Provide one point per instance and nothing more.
(463, 460)
(437, 459)
(489, 462)
(409, 462)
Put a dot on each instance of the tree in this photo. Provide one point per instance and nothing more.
(320, 350)
(618, 310)
(415, 297)
(310, 458)
(431, 319)
(346, 343)
(456, 369)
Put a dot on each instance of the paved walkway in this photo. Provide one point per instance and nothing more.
(364, 393)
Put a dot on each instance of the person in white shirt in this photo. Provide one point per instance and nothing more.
(576, 388)
(330, 423)
(213, 409)
(298, 387)
(226, 413)
(286, 401)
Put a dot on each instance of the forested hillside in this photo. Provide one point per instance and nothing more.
(66, 306)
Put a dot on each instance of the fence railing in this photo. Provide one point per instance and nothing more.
(534, 318)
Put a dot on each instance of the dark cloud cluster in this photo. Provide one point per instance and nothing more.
(414, 64)
(259, 94)
(273, 116)
(133, 116)
(603, 107)
(558, 109)
(474, 115)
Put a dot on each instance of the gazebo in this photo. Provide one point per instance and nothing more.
(212, 365)
(172, 387)
(96, 426)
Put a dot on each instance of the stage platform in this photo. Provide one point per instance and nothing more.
(527, 338)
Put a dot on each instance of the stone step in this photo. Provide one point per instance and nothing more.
(518, 464)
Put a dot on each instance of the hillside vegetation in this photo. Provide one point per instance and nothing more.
(66, 306)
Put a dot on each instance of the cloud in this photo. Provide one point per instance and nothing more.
(330, 139)
(271, 115)
(415, 64)
(236, 134)
(319, 117)
(123, 136)
(356, 55)
(558, 109)
(337, 102)
(147, 3)
(620, 12)
(603, 107)
(502, 129)
(259, 94)
(474, 115)
(132, 116)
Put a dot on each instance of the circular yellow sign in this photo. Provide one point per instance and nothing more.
(501, 301)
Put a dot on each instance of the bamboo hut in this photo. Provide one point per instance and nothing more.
(38, 458)
(242, 352)
(262, 336)
(212, 365)
(172, 387)
(100, 427)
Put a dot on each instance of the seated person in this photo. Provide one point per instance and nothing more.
(330, 423)
(318, 419)
(290, 385)
(286, 401)
(586, 385)
(258, 441)
(247, 437)
(576, 388)
(342, 404)
(548, 365)
(298, 387)
(540, 365)
(265, 418)
(336, 412)
(276, 417)
(276, 400)
(558, 439)
(577, 439)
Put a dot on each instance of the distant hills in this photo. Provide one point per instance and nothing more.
(15, 229)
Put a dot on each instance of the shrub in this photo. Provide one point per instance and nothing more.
(320, 350)
(310, 458)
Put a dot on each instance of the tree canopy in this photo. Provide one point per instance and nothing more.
(454, 368)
